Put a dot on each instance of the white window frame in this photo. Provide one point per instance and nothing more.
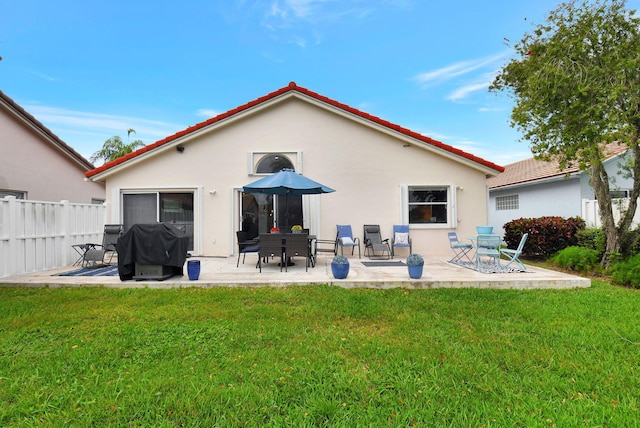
(452, 206)
(253, 158)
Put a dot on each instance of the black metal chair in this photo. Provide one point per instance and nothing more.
(374, 245)
(245, 245)
(94, 254)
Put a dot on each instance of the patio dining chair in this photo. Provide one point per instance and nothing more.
(374, 245)
(460, 250)
(514, 255)
(345, 238)
(94, 254)
(245, 245)
(400, 238)
(271, 245)
(297, 245)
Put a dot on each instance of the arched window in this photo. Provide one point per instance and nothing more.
(273, 163)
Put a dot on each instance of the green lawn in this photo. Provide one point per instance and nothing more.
(319, 356)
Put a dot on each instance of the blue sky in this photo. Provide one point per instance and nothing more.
(90, 70)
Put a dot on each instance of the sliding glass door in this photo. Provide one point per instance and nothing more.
(165, 207)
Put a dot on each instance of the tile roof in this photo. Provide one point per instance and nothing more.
(291, 88)
(32, 121)
(532, 169)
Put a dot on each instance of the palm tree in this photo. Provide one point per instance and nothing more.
(114, 148)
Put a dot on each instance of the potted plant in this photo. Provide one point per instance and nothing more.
(415, 264)
(340, 267)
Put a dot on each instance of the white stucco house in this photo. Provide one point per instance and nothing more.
(37, 165)
(382, 173)
(532, 188)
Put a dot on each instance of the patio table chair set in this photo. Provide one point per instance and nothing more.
(488, 254)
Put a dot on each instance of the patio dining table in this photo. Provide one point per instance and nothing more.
(289, 262)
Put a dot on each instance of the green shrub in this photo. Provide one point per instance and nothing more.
(591, 238)
(547, 235)
(579, 259)
(627, 272)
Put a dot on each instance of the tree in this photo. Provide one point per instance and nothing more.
(576, 86)
(114, 148)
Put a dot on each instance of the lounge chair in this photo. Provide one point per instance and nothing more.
(374, 245)
(246, 245)
(401, 238)
(345, 238)
(94, 254)
(514, 255)
(460, 250)
(487, 246)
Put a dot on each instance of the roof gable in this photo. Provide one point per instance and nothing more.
(293, 89)
(21, 114)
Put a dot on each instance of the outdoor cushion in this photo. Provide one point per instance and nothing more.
(346, 240)
(401, 239)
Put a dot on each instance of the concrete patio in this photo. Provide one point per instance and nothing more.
(222, 272)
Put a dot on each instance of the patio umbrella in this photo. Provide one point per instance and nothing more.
(286, 182)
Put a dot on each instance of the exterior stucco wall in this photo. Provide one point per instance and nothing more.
(554, 198)
(365, 166)
(32, 164)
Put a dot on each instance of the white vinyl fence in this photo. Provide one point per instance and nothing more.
(37, 235)
(591, 212)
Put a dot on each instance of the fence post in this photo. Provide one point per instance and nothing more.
(12, 234)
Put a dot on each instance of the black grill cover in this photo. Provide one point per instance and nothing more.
(151, 244)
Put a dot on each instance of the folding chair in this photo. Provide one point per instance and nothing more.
(374, 245)
(460, 250)
(345, 238)
(94, 254)
(514, 255)
(400, 238)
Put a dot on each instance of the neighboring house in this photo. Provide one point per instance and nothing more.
(37, 165)
(382, 173)
(532, 188)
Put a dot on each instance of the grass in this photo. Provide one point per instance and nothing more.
(319, 356)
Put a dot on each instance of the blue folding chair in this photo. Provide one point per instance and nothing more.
(345, 238)
(400, 238)
(460, 250)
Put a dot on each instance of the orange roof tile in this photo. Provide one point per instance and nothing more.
(532, 169)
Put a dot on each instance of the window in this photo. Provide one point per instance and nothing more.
(273, 163)
(165, 207)
(510, 202)
(264, 163)
(17, 194)
(620, 193)
(429, 205)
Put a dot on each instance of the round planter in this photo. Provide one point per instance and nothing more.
(340, 271)
(415, 272)
(193, 269)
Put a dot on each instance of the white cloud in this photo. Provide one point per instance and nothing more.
(464, 91)
(440, 75)
(208, 113)
(86, 132)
